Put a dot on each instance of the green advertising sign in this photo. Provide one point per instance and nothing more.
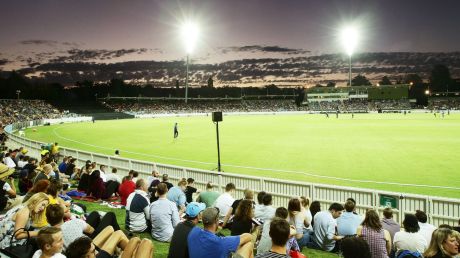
(388, 201)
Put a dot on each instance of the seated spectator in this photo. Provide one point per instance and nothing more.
(165, 178)
(63, 166)
(444, 244)
(315, 207)
(154, 179)
(134, 175)
(209, 196)
(305, 209)
(70, 168)
(178, 247)
(53, 190)
(96, 186)
(113, 176)
(410, 239)
(8, 197)
(324, 236)
(44, 174)
(248, 195)
(176, 194)
(426, 229)
(40, 187)
(348, 222)
(102, 173)
(224, 201)
(72, 229)
(243, 221)
(125, 189)
(21, 217)
(50, 242)
(266, 211)
(259, 203)
(205, 243)
(372, 232)
(8, 161)
(137, 209)
(190, 190)
(164, 215)
(85, 247)
(279, 234)
(389, 224)
(296, 219)
(265, 243)
(355, 247)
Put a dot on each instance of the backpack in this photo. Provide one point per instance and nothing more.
(408, 254)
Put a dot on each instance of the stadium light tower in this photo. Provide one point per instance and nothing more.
(189, 36)
(349, 39)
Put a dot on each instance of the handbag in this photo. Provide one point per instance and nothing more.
(25, 250)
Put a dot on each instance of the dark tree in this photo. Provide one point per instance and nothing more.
(413, 78)
(210, 82)
(440, 78)
(385, 81)
(360, 80)
(330, 84)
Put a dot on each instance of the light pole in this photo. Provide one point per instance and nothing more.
(17, 93)
(189, 35)
(350, 40)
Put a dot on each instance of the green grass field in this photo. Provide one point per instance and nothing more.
(375, 148)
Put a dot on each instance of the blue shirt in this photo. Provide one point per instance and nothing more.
(348, 223)
(176, 195)
(202, 243)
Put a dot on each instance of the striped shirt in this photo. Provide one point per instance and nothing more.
(271, 254)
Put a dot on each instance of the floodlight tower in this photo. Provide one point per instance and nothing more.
(350, 40)
(189, 36)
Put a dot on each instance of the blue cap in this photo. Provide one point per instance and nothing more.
(194, 208)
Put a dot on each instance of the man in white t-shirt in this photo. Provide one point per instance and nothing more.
(426, 229)
(224, 201)
(113, 176)
(72, 229)
(50, 242)
(102, 173)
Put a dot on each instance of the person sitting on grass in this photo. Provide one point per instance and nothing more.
(164, 215)
(355, 247)
(279, 233)
(21, 217)
(125, 189)
(72, 229)
(50, 242)
(177, 195)
(107, 245)
(138, 210)
(178, 247)
(265, 243)
(209, 196)
(205, 243)
(96, 186)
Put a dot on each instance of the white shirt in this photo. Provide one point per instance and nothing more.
(426, 230)
(224, 203)
(9, 162)
(103, 176)
(38, 253)
(113, 177)
(409, 241)
(264, 212)
(22, 163)
(72, 229)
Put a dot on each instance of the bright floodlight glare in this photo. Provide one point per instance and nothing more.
(189, 35)
(349, 39)
(427, 92)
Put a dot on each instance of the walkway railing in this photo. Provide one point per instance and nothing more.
(439, 210)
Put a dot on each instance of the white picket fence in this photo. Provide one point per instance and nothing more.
(440, 210)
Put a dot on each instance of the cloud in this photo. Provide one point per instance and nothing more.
(79, 55)
(266, 49)
(50, 43)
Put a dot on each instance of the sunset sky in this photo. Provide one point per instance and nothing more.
(120, 30)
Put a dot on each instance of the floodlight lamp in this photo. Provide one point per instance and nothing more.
(350, 39)
(427, 92)
(189, 35)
